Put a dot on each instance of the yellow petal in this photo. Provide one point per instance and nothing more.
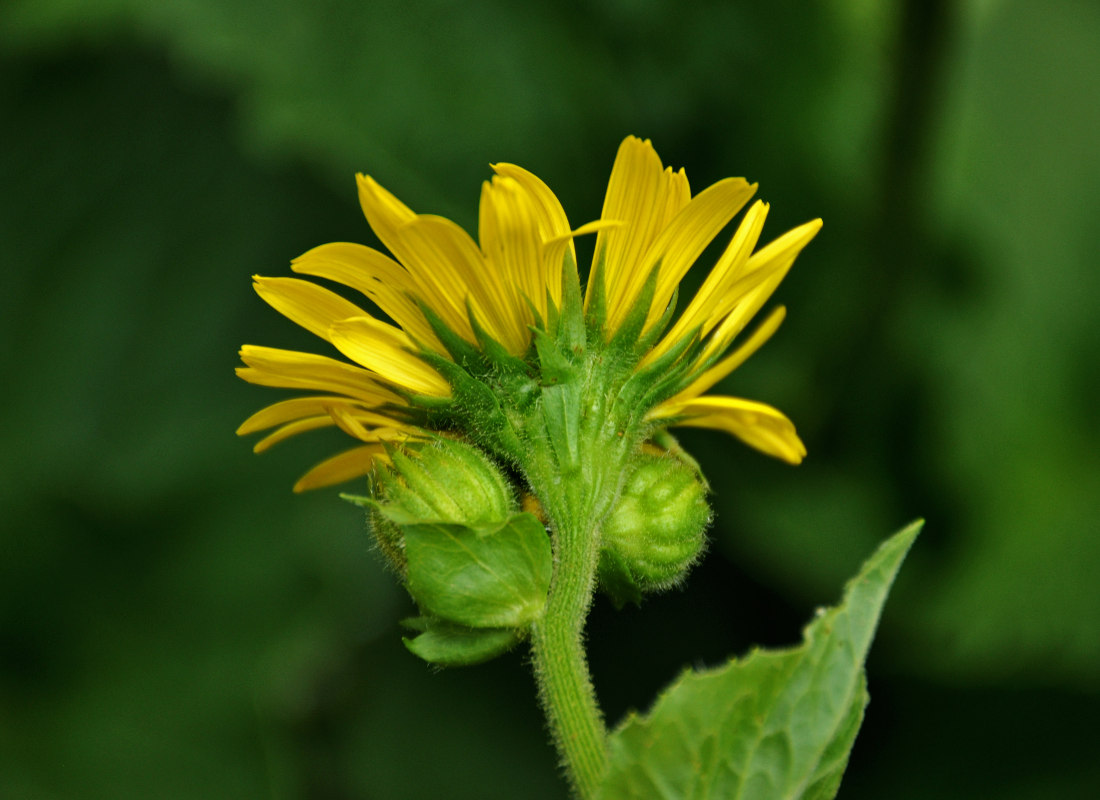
(512, 245)
(549, 214)
(453, 259)
(446, 264)
(685, 238)
(375, 275)
(311, 306)
(550, 220)
(363, 425)
(762, 275)
(384, 350)
(644, 197)
(785, 248)
(734, 359)
(715, 293)
(428, 257)
(293, 429)
(340, 468)
(368, 427)
(290, 369)
(756, 424)
(296, 408)
(384, 212)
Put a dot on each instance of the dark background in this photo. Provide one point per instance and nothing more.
(174, 623)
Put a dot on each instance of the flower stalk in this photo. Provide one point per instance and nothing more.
(561, 667)
(575, 469)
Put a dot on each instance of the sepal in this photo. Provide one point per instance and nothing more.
(654, 331)
(661, 379)
(595, 301)
(569, 328)
(476, 405)
(556, 365)
(626, 338)
(464, 354)
(496, 353)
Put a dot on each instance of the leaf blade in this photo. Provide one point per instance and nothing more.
(773, 725)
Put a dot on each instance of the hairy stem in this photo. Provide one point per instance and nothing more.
(578, 448)
(561, 668)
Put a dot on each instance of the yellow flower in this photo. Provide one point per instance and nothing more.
(492, 293)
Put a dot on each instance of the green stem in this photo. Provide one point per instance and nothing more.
(561, 668)
(577, 448)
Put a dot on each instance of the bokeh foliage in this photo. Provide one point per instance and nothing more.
(174, 623)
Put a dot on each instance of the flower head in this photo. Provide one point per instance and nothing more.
(474, 335)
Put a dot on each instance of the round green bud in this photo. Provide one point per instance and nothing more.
(443, 480)
(655, 533)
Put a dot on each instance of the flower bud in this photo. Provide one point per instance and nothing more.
(444, 481)
(655, 532)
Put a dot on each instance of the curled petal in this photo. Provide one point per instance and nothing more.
(289, 410)
(341, 468)
(293, 429)
(368, 427)
(756, 424)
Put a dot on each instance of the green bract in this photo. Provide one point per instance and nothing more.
(443, 480)
(655, 533)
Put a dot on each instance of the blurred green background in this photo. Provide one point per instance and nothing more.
(174, 623)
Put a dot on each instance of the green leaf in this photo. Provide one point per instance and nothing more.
(451, 645)
(482, 577)
(830, 768)
(774, 725)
